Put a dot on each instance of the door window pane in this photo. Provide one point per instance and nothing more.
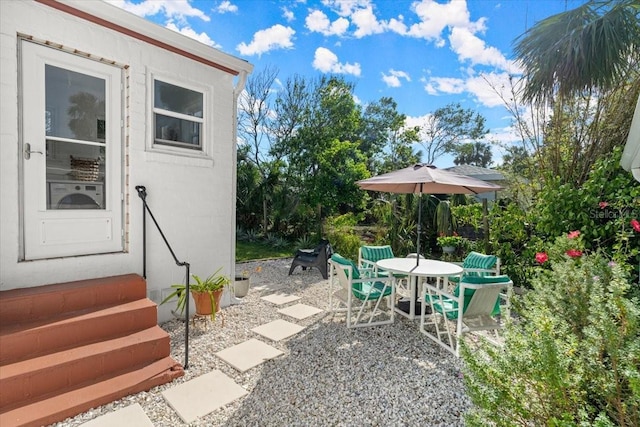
(75, 176)
(75, 105)
(75, 125)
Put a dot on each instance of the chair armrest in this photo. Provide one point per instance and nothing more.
(365, 263)
(438, 291)
(480, 270)
(373, 279)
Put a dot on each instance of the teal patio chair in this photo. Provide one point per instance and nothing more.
(477, 265)
(361, 293)
(369, 255)
(473, 306)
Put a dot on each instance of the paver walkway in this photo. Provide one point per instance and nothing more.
(206, 393)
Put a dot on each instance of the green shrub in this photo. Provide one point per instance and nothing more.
(572, 357)
(341, 234)
(601, 209)
(513, 241)
(305, 242)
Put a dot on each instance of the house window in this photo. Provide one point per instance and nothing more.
(178, 116)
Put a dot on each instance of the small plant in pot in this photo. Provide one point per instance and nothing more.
(449, 243)
(206, 293)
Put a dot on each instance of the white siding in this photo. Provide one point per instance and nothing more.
(191, 197)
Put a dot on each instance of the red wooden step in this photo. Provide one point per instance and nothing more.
(20, 341)
(54, 408)
(42, 302)
(27, 380)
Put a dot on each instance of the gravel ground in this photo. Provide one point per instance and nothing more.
(329, 375)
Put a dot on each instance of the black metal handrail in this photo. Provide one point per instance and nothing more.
(142, 193)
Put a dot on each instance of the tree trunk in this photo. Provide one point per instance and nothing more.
(265, 221)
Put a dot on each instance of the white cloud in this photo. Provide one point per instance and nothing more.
(435, 17)
(276, 37)
(488, 89)
(397, 25)
(288, 14)
(505, 135)
(437, 85)
(346, 7)
(470, 47)
(173, 9)
(226, 6)
(189, 32)
(326, 61)
(393, 78)
(318, 22)
(367, 23)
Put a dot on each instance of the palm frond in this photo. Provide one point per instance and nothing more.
(591, 46)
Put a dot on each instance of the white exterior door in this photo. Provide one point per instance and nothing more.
(71, 154)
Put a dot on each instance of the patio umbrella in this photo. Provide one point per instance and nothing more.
(421, 178)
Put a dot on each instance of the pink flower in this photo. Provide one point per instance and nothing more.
(603, 205)
(636, 225)
(573, 234)
(574, 253)
(541, 257)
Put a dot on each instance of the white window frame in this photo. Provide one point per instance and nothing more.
(205, 148)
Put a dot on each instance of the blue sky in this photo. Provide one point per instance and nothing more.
(422, 53)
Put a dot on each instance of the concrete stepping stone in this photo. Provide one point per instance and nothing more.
(248, 354)
(280, 298)
(202, 395)
(131, 416)
(278, 329)
(300, 311)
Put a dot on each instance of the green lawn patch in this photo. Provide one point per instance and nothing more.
(248, 251)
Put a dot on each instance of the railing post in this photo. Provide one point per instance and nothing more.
(142, 193)
(186, 319)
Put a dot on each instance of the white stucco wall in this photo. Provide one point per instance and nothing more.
(193, 198)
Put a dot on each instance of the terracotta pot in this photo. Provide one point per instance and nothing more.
(203, 301)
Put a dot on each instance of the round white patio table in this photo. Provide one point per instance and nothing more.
(439, 270)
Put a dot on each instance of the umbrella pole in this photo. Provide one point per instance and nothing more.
(419, 225)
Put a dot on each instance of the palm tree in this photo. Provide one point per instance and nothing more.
(592, 46)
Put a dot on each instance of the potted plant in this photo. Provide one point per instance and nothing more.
(206, 293)
(243, 282)
(449, 243)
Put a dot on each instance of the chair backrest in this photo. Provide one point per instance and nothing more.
(347, 271)
(485, 262)
(320, 246)
(346, 266)
(482, 294)
(373, 254)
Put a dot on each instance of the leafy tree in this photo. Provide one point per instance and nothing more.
(476, 154)
(445, 129)
(586, 128)
(323, 149)
(595, 45)
(384, 127)
(247, 200)
(515, 159)
(254, 123)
